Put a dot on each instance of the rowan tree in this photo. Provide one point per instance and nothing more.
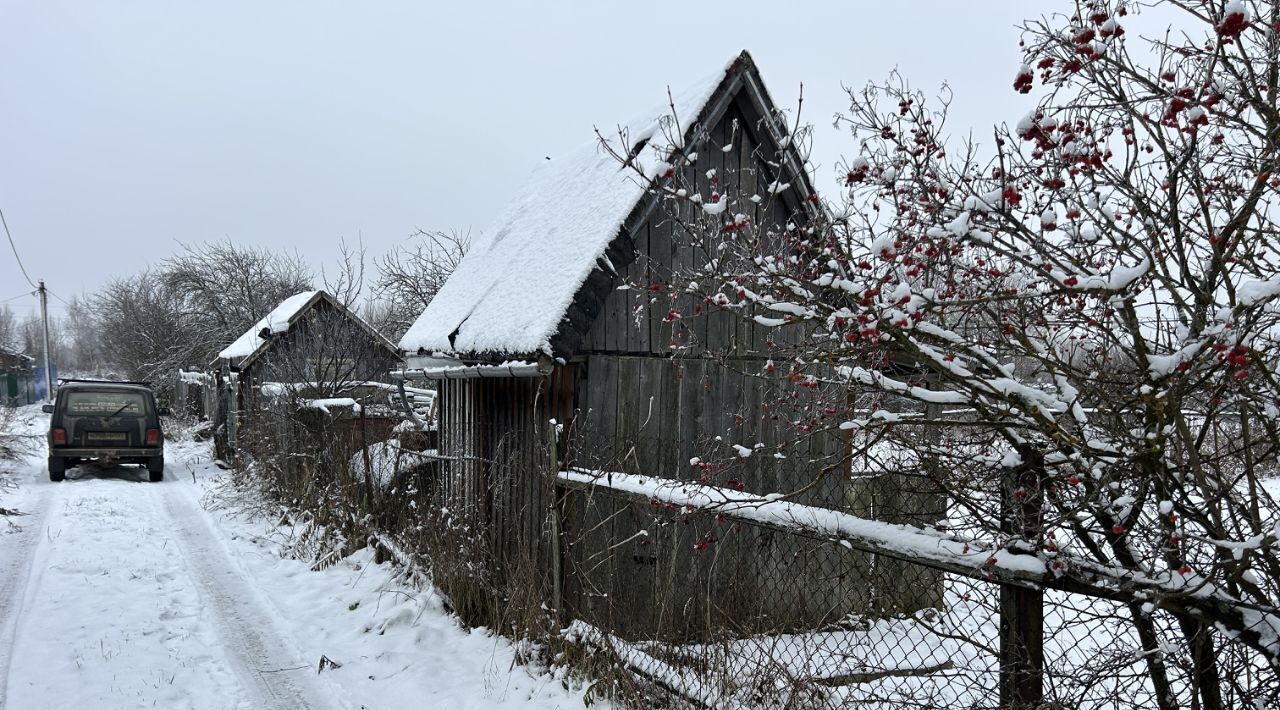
(1089, 294)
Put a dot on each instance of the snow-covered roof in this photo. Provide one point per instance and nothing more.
(248, 347)
(519, 277)
(6, 353)
(277, 321)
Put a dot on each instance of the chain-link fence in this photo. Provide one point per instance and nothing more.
(685, 601)
(713, 611)
(825, 568)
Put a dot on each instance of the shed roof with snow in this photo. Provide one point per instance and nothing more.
(14, 359)
(513, 292)
(258, 339)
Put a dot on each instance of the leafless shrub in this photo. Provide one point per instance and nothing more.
(182, 312)
(410, 276)
(15, 445)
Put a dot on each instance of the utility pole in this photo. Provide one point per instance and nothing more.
(44, 319)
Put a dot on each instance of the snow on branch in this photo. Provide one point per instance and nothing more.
(879, 379)
(1253, 292)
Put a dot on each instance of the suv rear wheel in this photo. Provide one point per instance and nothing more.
(57, 468)
(155, 469)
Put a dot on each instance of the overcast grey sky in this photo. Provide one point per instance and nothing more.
(128, 127)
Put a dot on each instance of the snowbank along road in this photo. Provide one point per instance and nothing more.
(120, 593)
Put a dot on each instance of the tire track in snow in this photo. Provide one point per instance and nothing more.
(20, 574)
(243, 625)
(112, 616)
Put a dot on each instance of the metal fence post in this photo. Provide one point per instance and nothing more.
(1022, 610)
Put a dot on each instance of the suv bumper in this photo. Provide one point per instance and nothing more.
(108, 453)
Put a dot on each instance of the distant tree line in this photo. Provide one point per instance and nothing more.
(179, 313)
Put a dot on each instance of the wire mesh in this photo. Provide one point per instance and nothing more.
(685, 606)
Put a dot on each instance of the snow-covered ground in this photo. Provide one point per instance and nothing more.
(118, 593)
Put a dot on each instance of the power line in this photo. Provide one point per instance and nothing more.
(15, 250)
(34, 307)
(60, 298)
(14, 298)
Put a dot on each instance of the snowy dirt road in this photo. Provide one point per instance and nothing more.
(120, 593)
(117, 593)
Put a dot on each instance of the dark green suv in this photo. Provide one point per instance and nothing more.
(108, 422)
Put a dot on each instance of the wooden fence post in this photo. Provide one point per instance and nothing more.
(557, 559)
(1022, 610)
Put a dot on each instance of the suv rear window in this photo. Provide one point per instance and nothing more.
(105, 403)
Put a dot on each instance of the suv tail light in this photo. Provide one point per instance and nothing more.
(59, 437)
(153, 437)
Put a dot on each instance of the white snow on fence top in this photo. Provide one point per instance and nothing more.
(194, 378)
(517, 280)
(277, 321)
(336, 402)
(905, 541)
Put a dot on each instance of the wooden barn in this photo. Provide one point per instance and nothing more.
(551, 347)
(309, 345)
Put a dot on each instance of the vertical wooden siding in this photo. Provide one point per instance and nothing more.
(498, 451)
(632, 320)
(651, 416)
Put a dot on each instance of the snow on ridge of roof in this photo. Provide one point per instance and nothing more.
(517, 280)
(277, 321)
(14, 353)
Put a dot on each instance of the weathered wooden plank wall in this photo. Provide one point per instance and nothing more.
(325, 346)
(651, 416)
(632, 319)
(497, 449)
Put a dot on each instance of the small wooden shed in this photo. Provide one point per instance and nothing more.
(17, 379)
(550, 349)
(310, 343)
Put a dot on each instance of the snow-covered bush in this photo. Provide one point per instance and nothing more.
(16, 442)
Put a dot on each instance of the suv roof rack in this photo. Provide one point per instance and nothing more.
(145, 383)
